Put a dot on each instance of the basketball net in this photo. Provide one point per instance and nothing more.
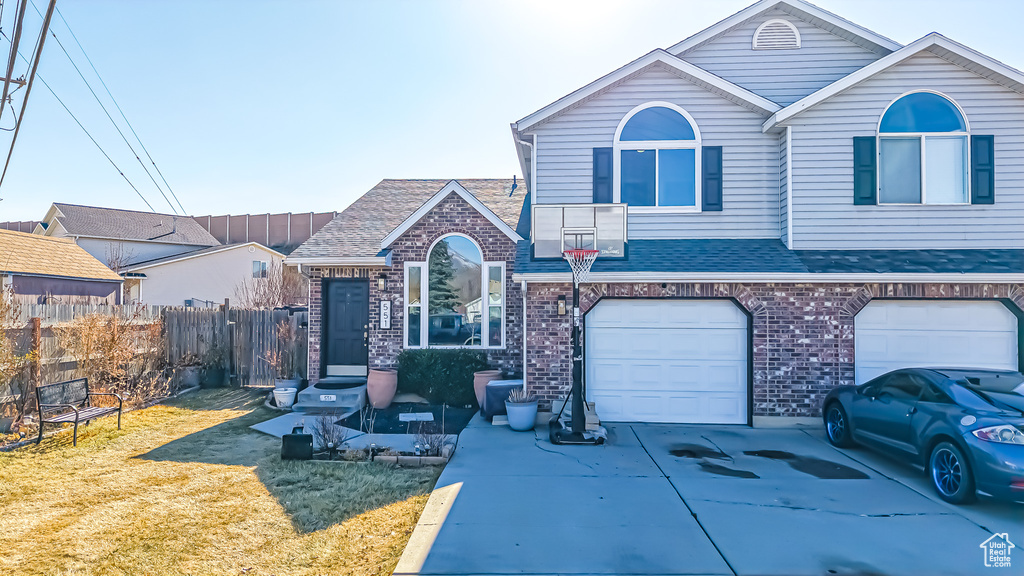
(580, 261)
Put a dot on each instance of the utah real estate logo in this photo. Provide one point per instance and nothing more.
(997, 550)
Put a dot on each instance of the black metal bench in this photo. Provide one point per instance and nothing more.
(71, 402)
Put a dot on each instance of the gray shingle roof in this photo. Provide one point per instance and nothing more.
(358, 230)
(132, 225)
(772, 256)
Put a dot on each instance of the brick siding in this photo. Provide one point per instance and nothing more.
(803, 334)
(453, 215)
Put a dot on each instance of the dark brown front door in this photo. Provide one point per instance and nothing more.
(347, 321)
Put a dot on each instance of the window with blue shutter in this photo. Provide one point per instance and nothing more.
(711, 178)
(603, 176)
(865, 188)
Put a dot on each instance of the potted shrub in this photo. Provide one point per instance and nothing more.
(522, 410)
(213, 373)
(282, 358)
(186, 371)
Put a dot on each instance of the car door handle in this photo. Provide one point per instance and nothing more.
(912, 411)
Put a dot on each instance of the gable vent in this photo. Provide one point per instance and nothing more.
(776, 35)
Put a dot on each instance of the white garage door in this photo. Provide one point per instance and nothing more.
(891, 334)
(667, 361)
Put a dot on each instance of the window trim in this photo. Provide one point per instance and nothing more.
(695, 144)
(485, 267)
(922, 136)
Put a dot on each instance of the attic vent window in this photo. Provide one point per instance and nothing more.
(776, 35)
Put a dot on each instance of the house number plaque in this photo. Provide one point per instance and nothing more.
(385, 314)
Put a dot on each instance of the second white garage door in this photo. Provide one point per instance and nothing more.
(681, 361)
(891, 334)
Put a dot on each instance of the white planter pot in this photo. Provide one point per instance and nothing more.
(284, 397)
(521, 417)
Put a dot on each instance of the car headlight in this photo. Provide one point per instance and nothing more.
(1004, 434)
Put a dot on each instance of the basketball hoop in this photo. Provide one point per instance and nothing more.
(580, 261)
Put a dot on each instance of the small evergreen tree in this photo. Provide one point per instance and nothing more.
(442, 295)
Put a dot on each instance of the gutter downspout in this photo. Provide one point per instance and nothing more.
(523, 285)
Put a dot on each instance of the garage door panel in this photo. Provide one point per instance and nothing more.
(668, 361)
(915, 333)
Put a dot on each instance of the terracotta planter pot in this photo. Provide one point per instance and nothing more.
(381, 386)
(480, 380)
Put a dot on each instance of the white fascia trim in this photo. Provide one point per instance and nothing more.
(450, 187)
(658, 55)
(886, 62)
(755, 10)
(768, 278)
(346, 261)
(191, 255)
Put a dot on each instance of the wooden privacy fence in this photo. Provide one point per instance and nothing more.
(246, 342)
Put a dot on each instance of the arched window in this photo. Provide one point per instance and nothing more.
(922, 151)
(454, 298)
(657, 152)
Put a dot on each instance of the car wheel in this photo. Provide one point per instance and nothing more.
(837, 426)
(951, 474)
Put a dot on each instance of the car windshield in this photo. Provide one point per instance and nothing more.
(1003, 389)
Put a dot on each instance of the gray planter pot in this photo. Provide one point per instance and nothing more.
(521, 417)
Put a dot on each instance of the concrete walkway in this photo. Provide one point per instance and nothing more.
(672, 499)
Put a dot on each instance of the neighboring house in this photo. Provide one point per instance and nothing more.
(123, 237)
(54, 271)
(785, 202)
(379, 248)
(200, 278)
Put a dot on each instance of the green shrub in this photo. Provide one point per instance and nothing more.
(444, 375)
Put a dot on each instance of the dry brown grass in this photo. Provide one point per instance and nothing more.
(188, 488)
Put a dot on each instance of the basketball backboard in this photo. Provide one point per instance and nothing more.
(559, 227)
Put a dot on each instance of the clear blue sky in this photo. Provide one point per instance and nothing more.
(294, 106)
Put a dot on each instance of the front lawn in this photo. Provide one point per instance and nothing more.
(187, 488)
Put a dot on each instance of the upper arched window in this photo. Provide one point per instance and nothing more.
(657, 149)
(922, 151)
(454, 298)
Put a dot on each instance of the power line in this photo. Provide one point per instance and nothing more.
(118, 106)
(14, 50)
(109, 117)
(75, 118)
(28, 87)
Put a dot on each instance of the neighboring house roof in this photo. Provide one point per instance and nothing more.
(699, 76)
(452, 187)
(805, 11)
(198, 254)
(769, 259)
(935, 43)
(354, 236)
(117, 224)
(27, 254)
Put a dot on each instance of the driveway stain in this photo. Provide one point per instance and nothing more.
(824, 469)
(698, 451)
(723, 471)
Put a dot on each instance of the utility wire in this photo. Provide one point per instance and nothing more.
(28, 87)
(109, 117)
(75, 118)
(118, 106)
(14, 50)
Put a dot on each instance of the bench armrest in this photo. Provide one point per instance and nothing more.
(51, 406)
(120, 400)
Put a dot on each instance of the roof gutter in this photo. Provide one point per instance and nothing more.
(56, 277)
(347, 261)
(775, 278)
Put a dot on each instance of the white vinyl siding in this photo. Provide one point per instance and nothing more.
(782, 76)
(824, 216)
(750, 158)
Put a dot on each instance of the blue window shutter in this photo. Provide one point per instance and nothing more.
(865, 171)
(603, 176)
(711, 178)
(983, 170)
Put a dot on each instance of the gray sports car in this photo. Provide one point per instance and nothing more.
(964, 426)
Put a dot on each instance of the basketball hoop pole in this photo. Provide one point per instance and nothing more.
(580, 261)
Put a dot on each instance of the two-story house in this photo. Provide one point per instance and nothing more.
(784, 202)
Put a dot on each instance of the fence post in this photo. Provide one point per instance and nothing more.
(226, 334)
(35, 367)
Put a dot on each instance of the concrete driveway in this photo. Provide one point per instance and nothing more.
(675, 499)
